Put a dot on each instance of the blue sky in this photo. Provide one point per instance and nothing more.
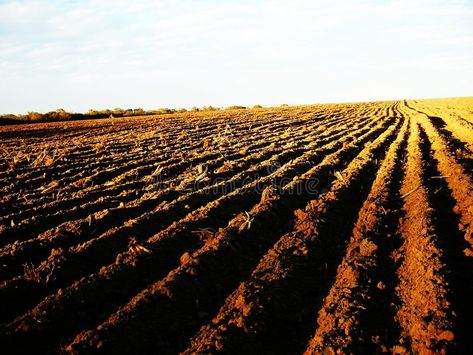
(79, 55)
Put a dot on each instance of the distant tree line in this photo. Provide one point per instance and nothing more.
(62, 115)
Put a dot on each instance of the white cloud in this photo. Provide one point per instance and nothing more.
(167, 53)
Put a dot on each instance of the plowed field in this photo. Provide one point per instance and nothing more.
(344, 228)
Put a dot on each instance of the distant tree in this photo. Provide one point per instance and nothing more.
(128, 112)
(236, 107)
(10, 118)
(104, 113)
(92, 112)
(117, 112)
(62, 114)
(210, 108)
(35, 116)
(163, 111)
(139, 111)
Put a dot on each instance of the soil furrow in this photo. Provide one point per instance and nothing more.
(226, 255)
(424, 312)
(270, 303)
(80, 260)
(354, 313)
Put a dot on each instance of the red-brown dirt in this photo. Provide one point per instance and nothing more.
(344, 228)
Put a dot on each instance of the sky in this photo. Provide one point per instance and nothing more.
(97, 54)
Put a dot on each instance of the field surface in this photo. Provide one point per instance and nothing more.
(344, 228)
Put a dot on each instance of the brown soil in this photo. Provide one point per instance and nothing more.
(319, 229)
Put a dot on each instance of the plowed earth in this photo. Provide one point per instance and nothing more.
(341, 228)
